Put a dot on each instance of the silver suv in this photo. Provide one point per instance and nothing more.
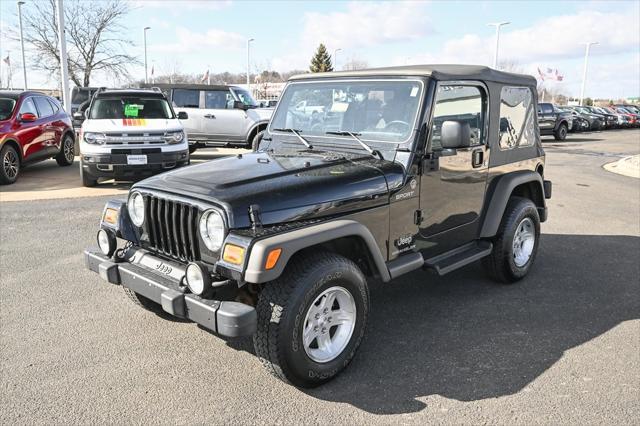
(219, 115)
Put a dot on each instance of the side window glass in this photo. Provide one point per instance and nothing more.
(54, 105)
(230, 100)
(28, 107)
(516, 117)
(458, 103)
(546, 108)
(44, 107)
(186, 98)
(215, 99)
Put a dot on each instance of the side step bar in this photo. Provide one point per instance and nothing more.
(459, 257)
(443, 263)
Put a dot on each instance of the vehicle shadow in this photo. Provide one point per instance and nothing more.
(463, 337)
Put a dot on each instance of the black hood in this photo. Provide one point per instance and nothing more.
(287, 187)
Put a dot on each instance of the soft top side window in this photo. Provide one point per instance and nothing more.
(517, 127)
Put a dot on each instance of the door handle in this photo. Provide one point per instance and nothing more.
(477, 158)
(209, 116)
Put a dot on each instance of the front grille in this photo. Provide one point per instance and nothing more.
(172, 228)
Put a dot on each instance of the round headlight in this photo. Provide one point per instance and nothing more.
(135, 206)
(106, 242)
(212, 230)
(197, 279)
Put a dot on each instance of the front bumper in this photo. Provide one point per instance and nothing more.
(231, 319)
(115, 163)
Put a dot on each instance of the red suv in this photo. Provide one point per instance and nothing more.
(33, 127)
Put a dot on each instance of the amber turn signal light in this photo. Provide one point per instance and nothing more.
(233, 254)
(111, 216)
(272, 258)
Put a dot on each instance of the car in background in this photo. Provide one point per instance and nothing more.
(267, 103)
(33, 127)
(624, 120)
(80, 95)
(131, 133)
(596, 121)
(634, 109)
(219, 115)
(580, 124)
(611, 120)
(634, 119)
(554, 121)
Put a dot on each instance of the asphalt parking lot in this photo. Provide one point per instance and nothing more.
(560, 347)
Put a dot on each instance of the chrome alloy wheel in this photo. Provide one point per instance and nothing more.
(329, 324)
(10, 163)
(68, 149)
(523, 242)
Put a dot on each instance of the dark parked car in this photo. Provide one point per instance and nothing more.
(554, 121)
(624, 120)
(610, 120)
(281, 243)
(33, 127)
(580, 124)
(596, 121)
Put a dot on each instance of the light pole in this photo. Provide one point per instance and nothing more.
(584, 73)
(24, 64)
(144, 32)
(64, 66)
(248, 57)
(497, 25)
(335, 61)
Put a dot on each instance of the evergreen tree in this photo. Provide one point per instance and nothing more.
(321, 61)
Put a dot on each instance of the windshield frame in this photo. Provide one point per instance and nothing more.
(389, 144)
(236, 94)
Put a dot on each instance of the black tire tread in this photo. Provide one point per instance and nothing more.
(60, 158)
(273, 301)
(142, 301)
(3, 179)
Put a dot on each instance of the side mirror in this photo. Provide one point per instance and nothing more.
(182, 115)
(240, 105)
(28, 117)
(455, 134)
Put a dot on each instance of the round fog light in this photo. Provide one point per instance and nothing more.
(106, 242)
(198, 280)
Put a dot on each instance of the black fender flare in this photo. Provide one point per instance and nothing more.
(500, 195)
(296, 240)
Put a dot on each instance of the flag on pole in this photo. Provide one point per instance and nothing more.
(205, 77)
(550, 74)
(7, 60)
(152, 68)
(541, 74)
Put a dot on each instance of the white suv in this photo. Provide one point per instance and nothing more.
(131, 133)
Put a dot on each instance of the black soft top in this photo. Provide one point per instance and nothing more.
(438, 72)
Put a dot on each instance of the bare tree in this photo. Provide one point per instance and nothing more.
(95, 40)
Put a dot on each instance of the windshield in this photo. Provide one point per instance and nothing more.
(6, 107)
(245, 97)
(130, 107)
(374, 110)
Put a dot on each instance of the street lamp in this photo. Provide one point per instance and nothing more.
(144, 32)
(497, 25)
(24, 64)
(248, 47)
(584, 74)
(335, 55)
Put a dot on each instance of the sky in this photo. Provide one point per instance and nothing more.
(193, 36)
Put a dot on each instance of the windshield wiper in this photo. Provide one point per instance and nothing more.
(355, 137)
(297, 133)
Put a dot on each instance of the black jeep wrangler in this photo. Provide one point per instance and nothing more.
(430, 167)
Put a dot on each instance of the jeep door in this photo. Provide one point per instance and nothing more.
(453, 179)
(189, 100)
(222, 122)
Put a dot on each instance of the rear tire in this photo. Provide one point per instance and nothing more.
(193, 148)
(561, 133)
(516, 244)
(9, 165)
(312, 319)
(255, 143)
(67, 152)
(87, 179)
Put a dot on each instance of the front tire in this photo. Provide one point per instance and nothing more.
(561, 133)
(312, 319)
(193, 148)
(67, 152)
(516, 244)
(10, 165)
(87, 179)
(255, 143)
